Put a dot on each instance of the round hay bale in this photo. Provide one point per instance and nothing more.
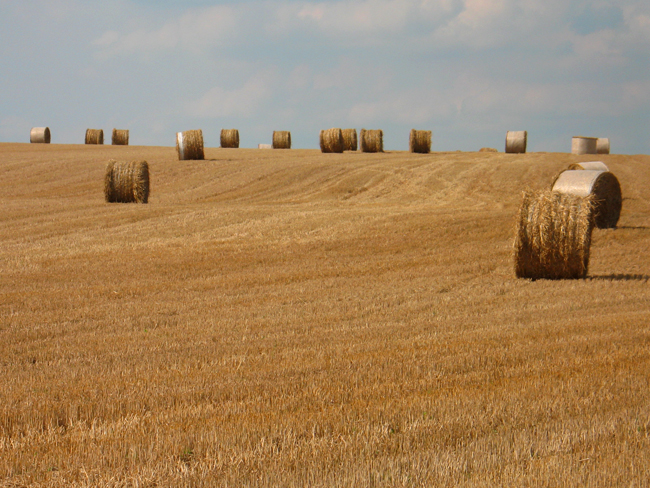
(189, 145)
(120, 137)
(584, 145)
(371, 141)
(603, 186)
(350, 142)
(39, 135)
(488, 149)
(94, 136)
(602, 145)
(126, 182)
(516, 141)
(553, 236)
(331, 141)
(420, 141)
(589, 165)
(230, 138)
(281, 139)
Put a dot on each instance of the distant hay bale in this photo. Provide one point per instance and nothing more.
(584, 145)
(264, 146)
(371, 141)
(126, 182)
(39, 135)
(420, 141)
(120, 137)
(230, 138)
(589, 165)
(281, 139)
(516, 141)
(602, 145)
(488, 149)
(553, 236)
(331, 140)
(602, 186)
(189, 145)
(94, 136)
(349, 139)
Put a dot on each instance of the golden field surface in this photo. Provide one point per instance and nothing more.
(292, 318)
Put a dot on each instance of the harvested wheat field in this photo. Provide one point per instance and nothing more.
(292, 318)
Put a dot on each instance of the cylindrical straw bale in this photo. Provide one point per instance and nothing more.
(553, 236)
(120, 137)
(350, 142)
(589, 165)
(331, 141)
(371, 141)
(39, 135)
(126, 182)
(584, 145)
(230, 138)
(602, 145)
(281, 139)
(189, 145)
(516, 141)
(420, 141)
(94, 136)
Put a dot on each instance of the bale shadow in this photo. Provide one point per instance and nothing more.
(633, 227)
(620, 277)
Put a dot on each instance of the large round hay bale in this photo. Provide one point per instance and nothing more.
(350, 142)
(516, 141)
(603, 186)
(420, 141)
(126, 182)
(331, 141)
(120, 137)
(553, 236)
(39, 135)
(602, 145)
(371, 141)
(189, 145)
(589, 165)
(281, 139)
(94, 136)
(230, 138)
(584, 145)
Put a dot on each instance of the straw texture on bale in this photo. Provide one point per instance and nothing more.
(602, 145)
(420, 141)
(516, 141)
(281, 139)
(120, 137)
(371, 141)
(553, 236)
(331, 141)
(94, 136)
(39, 135)
(189, 145)
(589, 165)
(602, 186)
(350, 142)
(230, 138)
(126, 182)
(584, 145)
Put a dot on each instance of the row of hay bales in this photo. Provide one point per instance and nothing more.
(516, 142)
(42, 135)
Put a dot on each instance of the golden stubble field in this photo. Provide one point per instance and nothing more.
(292, 318)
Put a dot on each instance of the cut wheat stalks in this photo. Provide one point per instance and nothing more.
(331, 140)
(281, 139)
(553, 236)
(420, 141)
(189, 145)
(371, 141)
(230, 138)
(126, 182)
(584, 145)
(516, 141)
(350, 142)
(602, 145)
(94, 136)
(589, 165)
(120, 137)
(39, 135)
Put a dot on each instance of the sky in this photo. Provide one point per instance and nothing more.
(468, 70)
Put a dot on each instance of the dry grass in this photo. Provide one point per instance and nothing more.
(120, 137)
(94, 136)
(126, 182)
(331, 141)
(286, 318)
(229, 138)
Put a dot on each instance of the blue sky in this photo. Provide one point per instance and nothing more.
(469, 70)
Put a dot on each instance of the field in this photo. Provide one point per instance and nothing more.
(292, 318)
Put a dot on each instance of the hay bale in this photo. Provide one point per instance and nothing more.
(39, 135)
(264, 146)
(589, 165)
(488, 149)
(516, 141)
(94, 136)
(371, 141)
(553, 236)
(603, 186)
(126, 182)
(281, 139)
(349, 139)
(230, 138)
(189, 145)
(584, 145)
(420, 141)
(602, 145)
(331, 141)
(120, 137)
